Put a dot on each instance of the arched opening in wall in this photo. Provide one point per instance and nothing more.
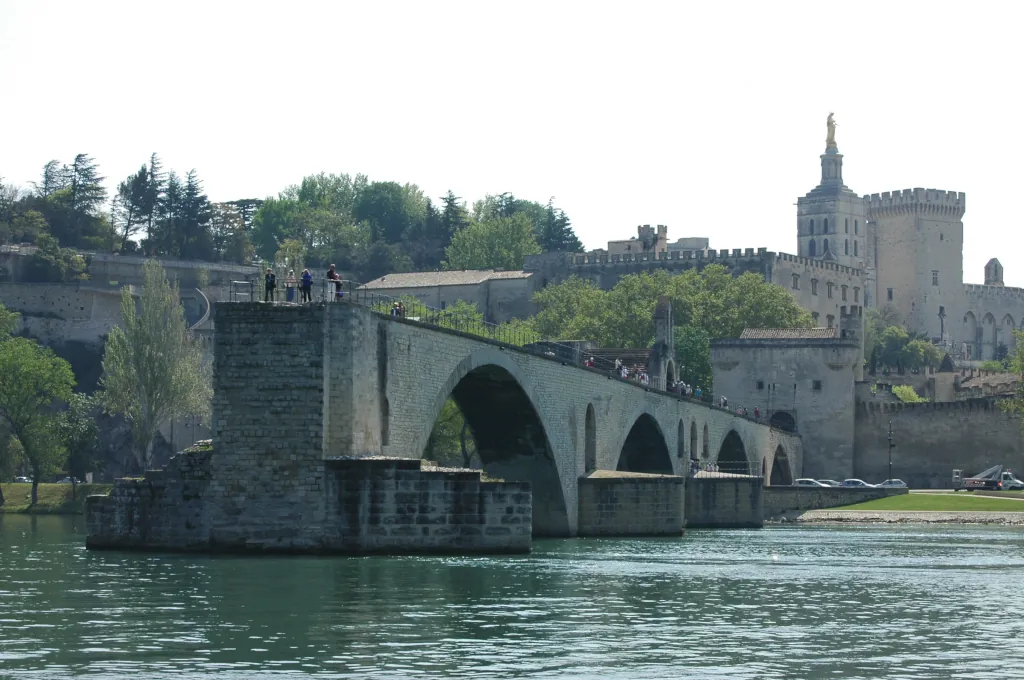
(991, 336)
(782, 475)
(693, 440)
(590, 440)
(824, 246)
(732, 456)
(846, 247)
(811, 229)
(824, 227)
(1007, 340)
(704, 445)
(488, 422)
(670, 374)
(812, 249)
(973, 335)
(783, 421)
(681, 440)
(644, 449)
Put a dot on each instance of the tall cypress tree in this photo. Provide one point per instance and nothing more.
(557, 234)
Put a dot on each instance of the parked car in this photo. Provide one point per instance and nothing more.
(67, 480)
(809, 482)
(22, 480)
(893, 484)
(829, 482)
(857, 483)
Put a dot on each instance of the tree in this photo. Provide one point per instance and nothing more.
(390, 209)
(907, 394)
(570, 310)
(451, 442)
(53, 264)
(80, 435)
(228, 233)
(152, 369)
(994, 366)
(131, 202)
(1015, 365)
(86, 195)
(497, 243)
(693, 357)
(33, 383)
(150, 211)
(290, 255)
(557, 234)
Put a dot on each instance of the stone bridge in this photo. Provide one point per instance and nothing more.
(298, 384)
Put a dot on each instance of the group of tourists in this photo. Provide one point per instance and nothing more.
(702, 466)
(304, 285)
(635, 372)
(398, 309)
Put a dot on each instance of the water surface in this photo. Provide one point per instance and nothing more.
(806, 602)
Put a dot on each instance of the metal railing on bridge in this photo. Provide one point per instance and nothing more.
(704, 469)
(515, 334)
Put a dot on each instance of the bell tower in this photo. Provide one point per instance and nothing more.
(831, 219)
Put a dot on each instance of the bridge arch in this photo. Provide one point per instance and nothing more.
(590, 440)
(782, 472)
(644, 449)
(732, 455)
(783, 420)
(498, 402)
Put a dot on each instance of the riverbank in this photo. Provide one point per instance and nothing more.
(54, 499)
(902, 517)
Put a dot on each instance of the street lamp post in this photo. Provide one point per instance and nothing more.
(890, 449)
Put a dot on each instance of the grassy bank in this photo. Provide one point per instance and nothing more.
(54, 499)
(940, 502)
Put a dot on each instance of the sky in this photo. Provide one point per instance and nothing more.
(706, 117)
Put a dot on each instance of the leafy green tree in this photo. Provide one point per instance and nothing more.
(1015, 365)
(53, 264)
(454, 217)
(131, 202)
(24, 227)
(33, 383)
(557, 234)
(290, 255)
(230, 238)
(570, 310)
(390, 209)
(451, 442)
(991, 365)
(80, 435)
(155, 184)
(693, 357)
(153, 370)
(498, 243)
(907, 394)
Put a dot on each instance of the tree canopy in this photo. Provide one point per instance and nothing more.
(494, 243)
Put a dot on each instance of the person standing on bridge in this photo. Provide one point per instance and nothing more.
(332, 275)
(289, 286)
(270, 284)
(306, 286)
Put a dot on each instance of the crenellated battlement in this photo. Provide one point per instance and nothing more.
(707, 256)
(819, 264)
(930, 201)
(978, 291)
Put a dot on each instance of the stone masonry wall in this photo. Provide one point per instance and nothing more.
(781, 499)
(932, 439)
(724, 502)
(633, 505)
(391, 505)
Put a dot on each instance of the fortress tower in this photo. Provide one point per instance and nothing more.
(831, 219)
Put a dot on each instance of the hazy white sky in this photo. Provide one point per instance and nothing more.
(707, 117)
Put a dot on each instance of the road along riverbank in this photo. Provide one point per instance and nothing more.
(902, 517)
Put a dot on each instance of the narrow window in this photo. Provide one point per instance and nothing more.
(760, 384)
(844, 293)
(814, 286)
(824, 228)
(443, 304)
(846, 247)
(856, 227)
(812, 227)
(824, 247)
(816, 385)
(811, 249)
(846, 225)
(796, 282)
(935, 277)
(890, 294)
(856, 294)
(814, 315)
(830, 286)
(831, 320)
(855, 253)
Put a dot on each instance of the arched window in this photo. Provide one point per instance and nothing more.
(846, 247)
(812, 227)
(846, 225)
(824, 247)
(856, 227)
(824, 228)
(811, 251)
(855, 249)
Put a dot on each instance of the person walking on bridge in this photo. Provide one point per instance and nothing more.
(270, 285)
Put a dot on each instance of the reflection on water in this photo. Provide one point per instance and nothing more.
(875, 602)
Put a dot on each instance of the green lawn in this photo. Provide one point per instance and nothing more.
(941, 502)
(54, 499)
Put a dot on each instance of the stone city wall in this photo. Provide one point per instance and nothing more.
(622, 504)
(782, 499)
(724, 502)
(933, 439)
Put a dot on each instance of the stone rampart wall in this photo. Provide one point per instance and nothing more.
(781, 499)
(724, 502)
(55, 313)
(631, 506)
(932, 439)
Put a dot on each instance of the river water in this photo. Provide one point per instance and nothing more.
(802, 602)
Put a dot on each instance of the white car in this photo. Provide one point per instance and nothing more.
(893, 484)
(809, 482)
(829, 482)
(22, 480)
(857, 484)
